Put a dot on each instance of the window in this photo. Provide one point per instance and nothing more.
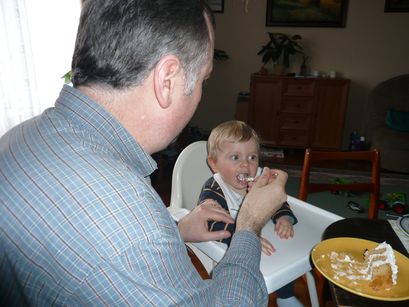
(39, 41)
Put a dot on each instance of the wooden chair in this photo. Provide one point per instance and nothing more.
(197, 264)
(372, 186)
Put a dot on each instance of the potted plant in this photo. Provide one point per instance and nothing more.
(220, 55)
(279, 50)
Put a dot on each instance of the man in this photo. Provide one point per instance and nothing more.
(80, 223)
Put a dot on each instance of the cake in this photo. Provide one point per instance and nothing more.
(377, 269)
(381, 266)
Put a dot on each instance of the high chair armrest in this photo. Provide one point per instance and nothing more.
(177, 213)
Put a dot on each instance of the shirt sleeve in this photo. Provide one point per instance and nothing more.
(160, 273)
(285, 210)
(241, 267)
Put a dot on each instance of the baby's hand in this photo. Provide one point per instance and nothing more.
(266, 247)
(284, 227)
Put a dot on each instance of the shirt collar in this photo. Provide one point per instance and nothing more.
(88, 115)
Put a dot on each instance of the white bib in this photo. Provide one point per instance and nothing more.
(233, 199)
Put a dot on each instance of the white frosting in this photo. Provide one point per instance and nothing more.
(385, 255)
(344, 266)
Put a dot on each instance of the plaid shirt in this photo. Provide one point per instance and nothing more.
(81, 225)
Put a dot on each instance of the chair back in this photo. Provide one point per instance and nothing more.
(189, 174)
(372, 185)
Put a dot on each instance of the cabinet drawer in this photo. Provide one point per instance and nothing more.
(296, 105)
(294, 122)
(299, 88)
(294, 138)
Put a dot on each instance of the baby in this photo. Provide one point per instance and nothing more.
(233, 155)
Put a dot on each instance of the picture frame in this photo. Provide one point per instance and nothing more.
(306, 13)
(396, 6)
(217, 6)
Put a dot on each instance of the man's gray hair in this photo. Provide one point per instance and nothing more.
(120, 41)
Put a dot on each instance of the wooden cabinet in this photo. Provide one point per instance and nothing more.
(298, 112)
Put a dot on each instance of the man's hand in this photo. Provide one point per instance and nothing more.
(194, 228)
(266, 196)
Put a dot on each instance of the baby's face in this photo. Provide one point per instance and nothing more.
(236, 158)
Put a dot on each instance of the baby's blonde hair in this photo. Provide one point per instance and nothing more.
(230, 131)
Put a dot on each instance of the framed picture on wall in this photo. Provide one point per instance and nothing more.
(396, 6)
(306, 13)
(217, 6)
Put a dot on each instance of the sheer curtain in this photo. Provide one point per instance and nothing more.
(37, 40)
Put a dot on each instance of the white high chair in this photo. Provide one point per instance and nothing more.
(292, 257)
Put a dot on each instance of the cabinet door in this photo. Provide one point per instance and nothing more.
(331, 100)
(264, 104)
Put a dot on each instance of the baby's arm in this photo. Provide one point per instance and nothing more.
(284, 219)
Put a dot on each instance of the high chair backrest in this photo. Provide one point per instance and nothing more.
(372, 185)
(189, 174)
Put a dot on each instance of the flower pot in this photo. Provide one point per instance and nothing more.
(279, 69)
(263, 71)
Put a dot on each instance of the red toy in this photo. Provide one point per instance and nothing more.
(393, 201)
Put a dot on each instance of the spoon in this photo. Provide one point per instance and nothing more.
(246, 178)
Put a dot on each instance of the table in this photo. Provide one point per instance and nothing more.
(373, 230)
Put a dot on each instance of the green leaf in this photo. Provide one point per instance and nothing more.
(67, 77)
(280, 47)
(220, 55)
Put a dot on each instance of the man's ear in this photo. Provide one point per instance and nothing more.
(212, 164)
(166, 72)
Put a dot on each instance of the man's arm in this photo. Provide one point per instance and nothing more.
(262, 201)
(239, 270)
(241, 266)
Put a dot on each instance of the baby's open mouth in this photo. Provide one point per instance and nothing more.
(243, 177)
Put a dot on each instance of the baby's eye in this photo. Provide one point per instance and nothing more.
(252, 157)
(234, 157)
